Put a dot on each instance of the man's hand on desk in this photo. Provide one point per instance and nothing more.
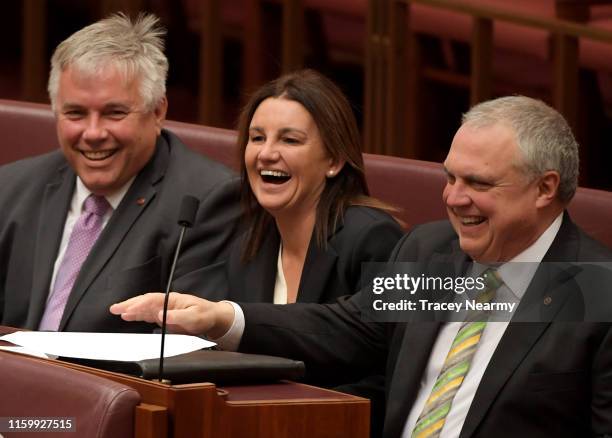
(186, 313)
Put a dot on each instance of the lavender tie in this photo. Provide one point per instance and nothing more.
(84, 234)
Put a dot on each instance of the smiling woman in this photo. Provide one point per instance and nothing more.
(310, 222)
(286, 161)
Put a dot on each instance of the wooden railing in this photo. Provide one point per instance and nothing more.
(396, 74)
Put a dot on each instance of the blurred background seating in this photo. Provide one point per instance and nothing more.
(410, 67)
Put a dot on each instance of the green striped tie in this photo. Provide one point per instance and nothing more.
(456, 365)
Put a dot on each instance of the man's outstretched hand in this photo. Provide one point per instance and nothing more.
(186, 313)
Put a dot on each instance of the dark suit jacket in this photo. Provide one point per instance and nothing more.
(134, 252)
(366, 235)
(544, 379)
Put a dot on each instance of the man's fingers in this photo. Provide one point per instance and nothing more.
(137, 316)
(140, 308)
(186, 313)
(119, 308)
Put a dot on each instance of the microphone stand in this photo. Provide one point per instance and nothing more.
(166, 298)
(189, 208)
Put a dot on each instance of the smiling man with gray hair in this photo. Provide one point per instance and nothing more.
(96, 222)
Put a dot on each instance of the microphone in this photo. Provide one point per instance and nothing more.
(186, 218)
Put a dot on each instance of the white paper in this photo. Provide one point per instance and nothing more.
(106, 346)
(26, 351)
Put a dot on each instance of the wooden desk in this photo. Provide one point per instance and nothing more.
(202, 410)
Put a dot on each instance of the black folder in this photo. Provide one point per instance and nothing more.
(219, 367)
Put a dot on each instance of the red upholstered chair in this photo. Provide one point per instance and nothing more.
(216, 143)
(414, 186)
(592, 210)
(31, 387)
(26, 129)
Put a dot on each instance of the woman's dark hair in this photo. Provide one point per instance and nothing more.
(332, 113)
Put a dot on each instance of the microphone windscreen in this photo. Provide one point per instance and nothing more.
(187, 213)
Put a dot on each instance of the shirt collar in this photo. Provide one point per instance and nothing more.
(81, 193)
(536, 252)
(518, 272)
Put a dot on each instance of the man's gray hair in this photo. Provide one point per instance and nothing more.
(543, 136)
(135, 48)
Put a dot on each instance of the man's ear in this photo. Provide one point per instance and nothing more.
(160, 113)
(548, 188)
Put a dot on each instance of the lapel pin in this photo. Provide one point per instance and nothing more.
(140, 201)
(547, 301)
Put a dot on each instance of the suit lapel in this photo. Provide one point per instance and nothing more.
(318, 267)
(120, 224)
(412, 358)
(514, 345)
(53, 212)
(260, 273)
(418, 340)
(548, 293)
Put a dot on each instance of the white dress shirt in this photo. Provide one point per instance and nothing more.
(280, 285)
(74, 212)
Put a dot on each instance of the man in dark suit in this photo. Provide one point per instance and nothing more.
(512, 168)
(107, 88)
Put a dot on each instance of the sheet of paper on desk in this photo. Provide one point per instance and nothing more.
(22, 350)
(106, 346)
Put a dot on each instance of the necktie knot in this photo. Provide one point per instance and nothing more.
(492, 282)
(492, 278)
(97, 205)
